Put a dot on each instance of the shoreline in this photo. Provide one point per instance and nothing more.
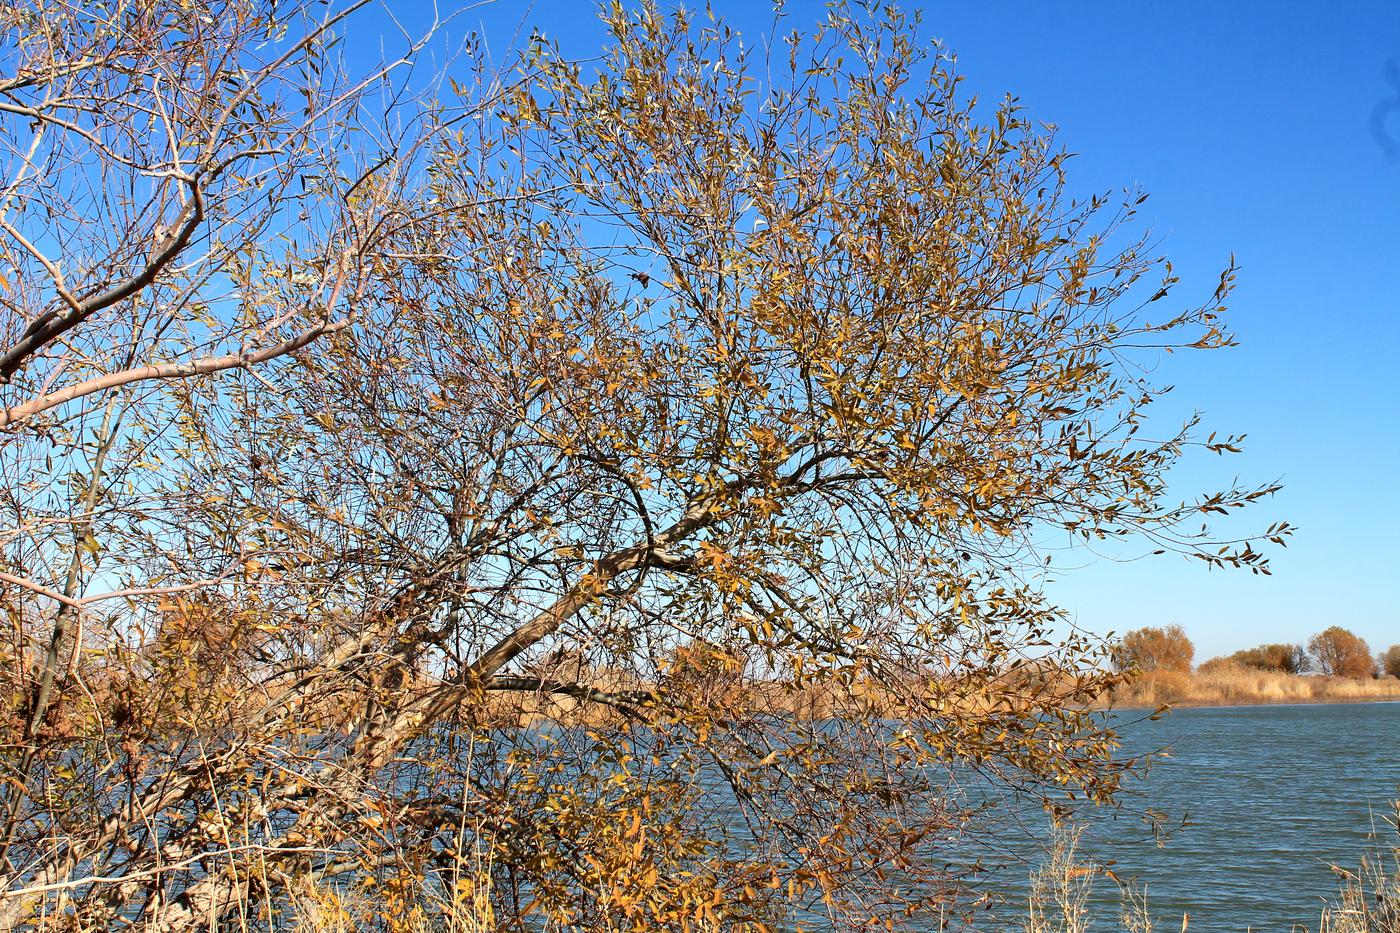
(1205, 704)
(1238, 686)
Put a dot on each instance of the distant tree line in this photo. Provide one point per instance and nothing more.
(1335, 651)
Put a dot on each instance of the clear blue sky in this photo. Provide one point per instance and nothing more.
(1249, 124)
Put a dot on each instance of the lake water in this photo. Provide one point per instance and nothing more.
(1274, 796)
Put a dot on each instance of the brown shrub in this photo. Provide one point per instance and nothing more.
(1389, 661)
(1291, 659)
(1218, 665)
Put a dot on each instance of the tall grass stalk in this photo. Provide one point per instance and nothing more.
(1369, 897)
(1062, 886)
(1061, 890)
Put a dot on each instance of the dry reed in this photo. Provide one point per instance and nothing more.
(1235, 685)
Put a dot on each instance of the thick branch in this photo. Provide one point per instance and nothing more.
(627, 700)
(50, 326)
(182, 370)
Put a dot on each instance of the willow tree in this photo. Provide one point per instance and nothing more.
(659, 546)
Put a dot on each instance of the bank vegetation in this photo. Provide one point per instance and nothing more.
(1238, 685)
(1337, 666)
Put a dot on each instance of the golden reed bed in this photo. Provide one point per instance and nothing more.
(1218, 685)
(1232, 685)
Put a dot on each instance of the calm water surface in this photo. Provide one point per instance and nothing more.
(1274, 795)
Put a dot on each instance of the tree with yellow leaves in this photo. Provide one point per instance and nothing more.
(664, 528)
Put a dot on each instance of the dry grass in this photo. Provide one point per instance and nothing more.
(465, 907)
(1234, 685)
(1061, 888)
(1369, 898)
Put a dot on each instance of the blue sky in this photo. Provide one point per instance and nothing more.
(1250, 125)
